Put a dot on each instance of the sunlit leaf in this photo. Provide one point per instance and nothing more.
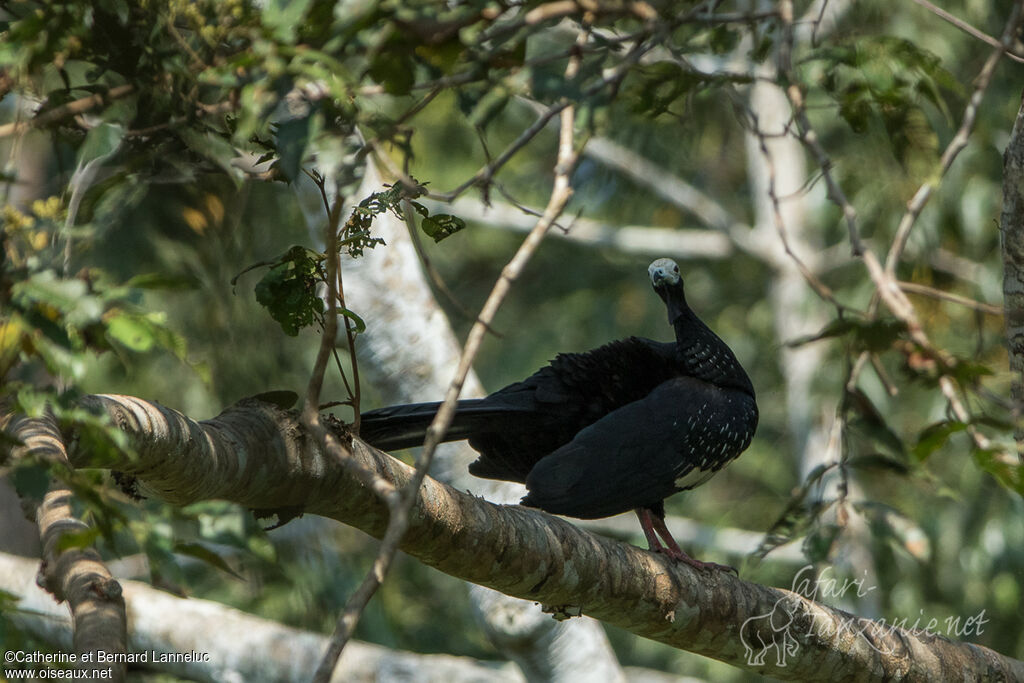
(360, 324)
(284, 17)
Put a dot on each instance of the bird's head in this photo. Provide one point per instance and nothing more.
(668, 283)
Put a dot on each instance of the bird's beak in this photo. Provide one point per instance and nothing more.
(659, 278)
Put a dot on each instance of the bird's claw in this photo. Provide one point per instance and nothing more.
(680, 556)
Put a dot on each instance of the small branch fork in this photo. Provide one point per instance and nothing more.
(400, 502)
(888, 289)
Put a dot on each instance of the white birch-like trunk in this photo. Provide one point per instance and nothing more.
(409, 354)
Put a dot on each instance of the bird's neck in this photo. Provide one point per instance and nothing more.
(702, 354)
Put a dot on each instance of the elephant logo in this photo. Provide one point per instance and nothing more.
(763, 632)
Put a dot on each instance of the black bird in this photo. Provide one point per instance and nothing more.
(618, 428)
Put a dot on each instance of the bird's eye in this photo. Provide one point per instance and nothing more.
(675, 268)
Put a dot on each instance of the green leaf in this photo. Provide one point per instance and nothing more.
(136, 332)
(360, 324)
(215, 148)
(835, 328)
(394, 70)
(46, 288)
(442, 225)
(868, 335)
(201, 552)
(100, 143)
(967, 373)
(891, 523)
(652, 89)
(32, 402)
(31, 480)
(162, 281)
(798, 516)
(284, 16)
(289, 291)
(871, 423)
(60, 358)
(885, 77)
(934, 436)
(818, 544)
(878, 335)
(489, 106)
(82, 538)
(292, 141)
(1002, 465)
(878, 461)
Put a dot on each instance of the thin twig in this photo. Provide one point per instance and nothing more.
(350, 334)
(924, 290)
(310, 416)
(66, 110)
(956, 145)
(819, 287)
(399, 510)
(967, 28)
(612, 78)
(428, 266)
(488, 170)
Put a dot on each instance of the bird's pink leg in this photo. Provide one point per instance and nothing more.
(654, 526)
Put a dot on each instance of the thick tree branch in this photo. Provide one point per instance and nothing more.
(257, 455)
(66, 111)
(1011, 227)
(74, 574)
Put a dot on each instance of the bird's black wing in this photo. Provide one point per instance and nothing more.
(516, 426)
(548, 409)
(675, 438)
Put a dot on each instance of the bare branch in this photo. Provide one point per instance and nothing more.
(924, 290)
(554, 562)
(66, 111)
(75, 574)
(1011, 229)
(967, 28)
(819, 287)
(681, 194)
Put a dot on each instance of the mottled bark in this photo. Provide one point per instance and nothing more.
(256, 454)
(1012, 231)
(75, 574)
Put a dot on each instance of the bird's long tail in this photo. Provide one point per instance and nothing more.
(405, 426)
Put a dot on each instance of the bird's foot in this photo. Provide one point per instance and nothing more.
(680, 556)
